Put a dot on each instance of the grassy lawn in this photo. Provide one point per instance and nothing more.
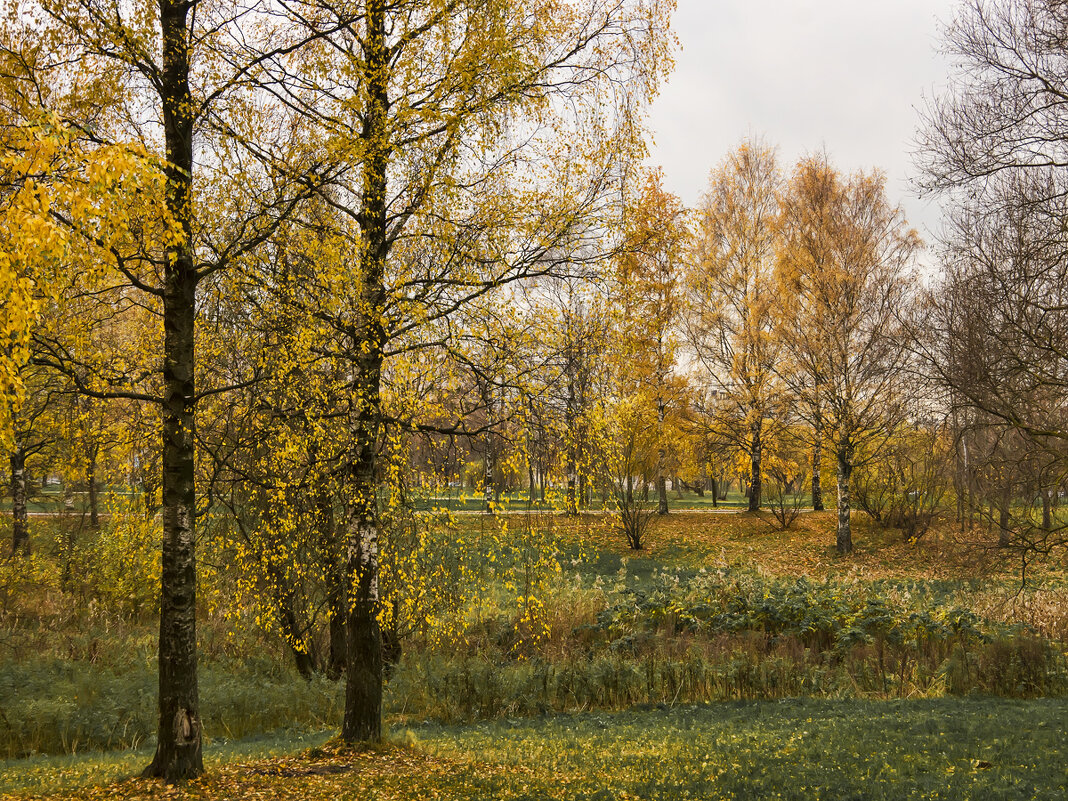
(975, 748)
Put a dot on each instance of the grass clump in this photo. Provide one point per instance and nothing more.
(60, 707)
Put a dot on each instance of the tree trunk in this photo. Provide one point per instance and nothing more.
(487, 480)
(570, 500)
(817, 466)
(661, 458)
(584, 490)
(363, 685)
(178, 750)
(755, 454)
(966, 478)
(285, 597)
(1047, 511)
(91, 487)
(530, 472)
(845, 472)
(489, 462)
(715, 492)
(20, 521)
(1003, 517)
(338, 645)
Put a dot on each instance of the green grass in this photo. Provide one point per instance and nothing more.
(59, 706)
(796, 749)
(975, 748)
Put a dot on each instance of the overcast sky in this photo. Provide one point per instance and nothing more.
(843, 75)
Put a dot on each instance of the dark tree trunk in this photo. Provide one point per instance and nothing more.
(755, 453)
(845, 472)
(1047, 511)
(91, 487)
(571, 500)
(530, 473)
(285, 596)
(967, 518)
(338, 646)
(364, 677)
(1004, 535)
(661, 458)
(303, 656)
(363, 660)
(817, 466)
(178, 750)
(715, 492)
(583, 483)
(20, 521)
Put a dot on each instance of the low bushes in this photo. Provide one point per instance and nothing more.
(730, 634)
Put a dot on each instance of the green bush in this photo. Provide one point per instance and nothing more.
(732, 634)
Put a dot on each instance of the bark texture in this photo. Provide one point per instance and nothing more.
(661, 458)
(364, 676)
(845, 474)
(20, 522)
(817, 469)
(755, 458)
(178, 751)
(93, 490)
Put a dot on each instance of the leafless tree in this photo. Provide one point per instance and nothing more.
(995, 148)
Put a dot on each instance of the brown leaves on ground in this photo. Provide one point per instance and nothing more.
(332, 772)
(708, 539)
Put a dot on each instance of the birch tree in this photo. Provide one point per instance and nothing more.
(731, 292)
(479, 144)
(842, 311)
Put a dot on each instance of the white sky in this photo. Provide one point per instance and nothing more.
(843, 75)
